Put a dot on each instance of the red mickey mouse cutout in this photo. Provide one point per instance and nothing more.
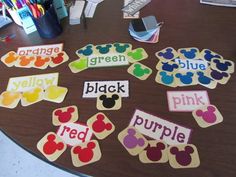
(101, 125)
(85, 153)
(65, 115)
(51, 146)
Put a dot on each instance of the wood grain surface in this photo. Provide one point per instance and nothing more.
(187, 23)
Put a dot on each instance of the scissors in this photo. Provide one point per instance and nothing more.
(36, 9)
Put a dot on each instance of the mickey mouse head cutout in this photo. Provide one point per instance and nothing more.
(85, 153)
(183, 156)
(101, 125)
(155, 152)
(9, 99)
(133, 141)
(207, 116)
(109, 101)
(64, 115)
(51, 146)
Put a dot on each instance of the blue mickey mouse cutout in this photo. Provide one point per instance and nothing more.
(189, 66)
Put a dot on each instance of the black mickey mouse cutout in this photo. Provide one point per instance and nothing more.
(109, 101)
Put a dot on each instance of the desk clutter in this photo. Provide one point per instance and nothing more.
(149, 137)
(167, 141)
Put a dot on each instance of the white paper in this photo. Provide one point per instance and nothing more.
(26, 83)
(42, 50)
(160, 129)
(92, 89)
(226, 3)
(186, 101)
(73, 133)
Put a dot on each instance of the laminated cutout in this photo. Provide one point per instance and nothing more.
(51, 146)
(85, 153)
(55, 94)
(183, 156)
(109, 101)
(133, 141)
(155, 152)
(101, 125)
(139, 71)
(207, 116)
(65, 115)
(31, 97)
(9, 99)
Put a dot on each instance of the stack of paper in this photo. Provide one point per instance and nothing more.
(145, 29)
(76, 12)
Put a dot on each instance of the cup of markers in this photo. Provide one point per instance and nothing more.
(12, 7)
(45, 18)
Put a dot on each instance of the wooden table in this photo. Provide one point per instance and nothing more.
(186, 24)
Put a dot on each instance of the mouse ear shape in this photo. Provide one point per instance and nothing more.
(161, 54)
(116, 44)
(98, 47)
(182, 51)
(91, 145)
(216, 61)
(126, 46)
(193, 50)
(174, 150)
(109, 45)
(148, 147)
(211, 108)
(131, 131)
(162, 73)
(189, 149)
(199, 112)
(51, 137)
(58, 112)
(189, 74)
(199, 73)
(169, 50)
(175, 66)
(60, 146)
(228, 63)
(137, 66)
(77, 150)
(100, 117)
(160, 145)
(102, 97)
(178, 75)
(70, 109)
(115, 97)
(224, 74)
(147, 71)
(108, 126)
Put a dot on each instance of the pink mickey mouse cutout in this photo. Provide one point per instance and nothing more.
(65, 115)
(183, 156)
(51, 146)
(133, 141)
(207, 116)
(101, 125)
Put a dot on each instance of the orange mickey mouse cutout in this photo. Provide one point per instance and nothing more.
(41, 62)
(10, 58)
(51, 146)
(10, 99)
(25, 61)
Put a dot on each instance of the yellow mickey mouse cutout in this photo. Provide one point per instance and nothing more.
(9, 99)
(55, 93)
